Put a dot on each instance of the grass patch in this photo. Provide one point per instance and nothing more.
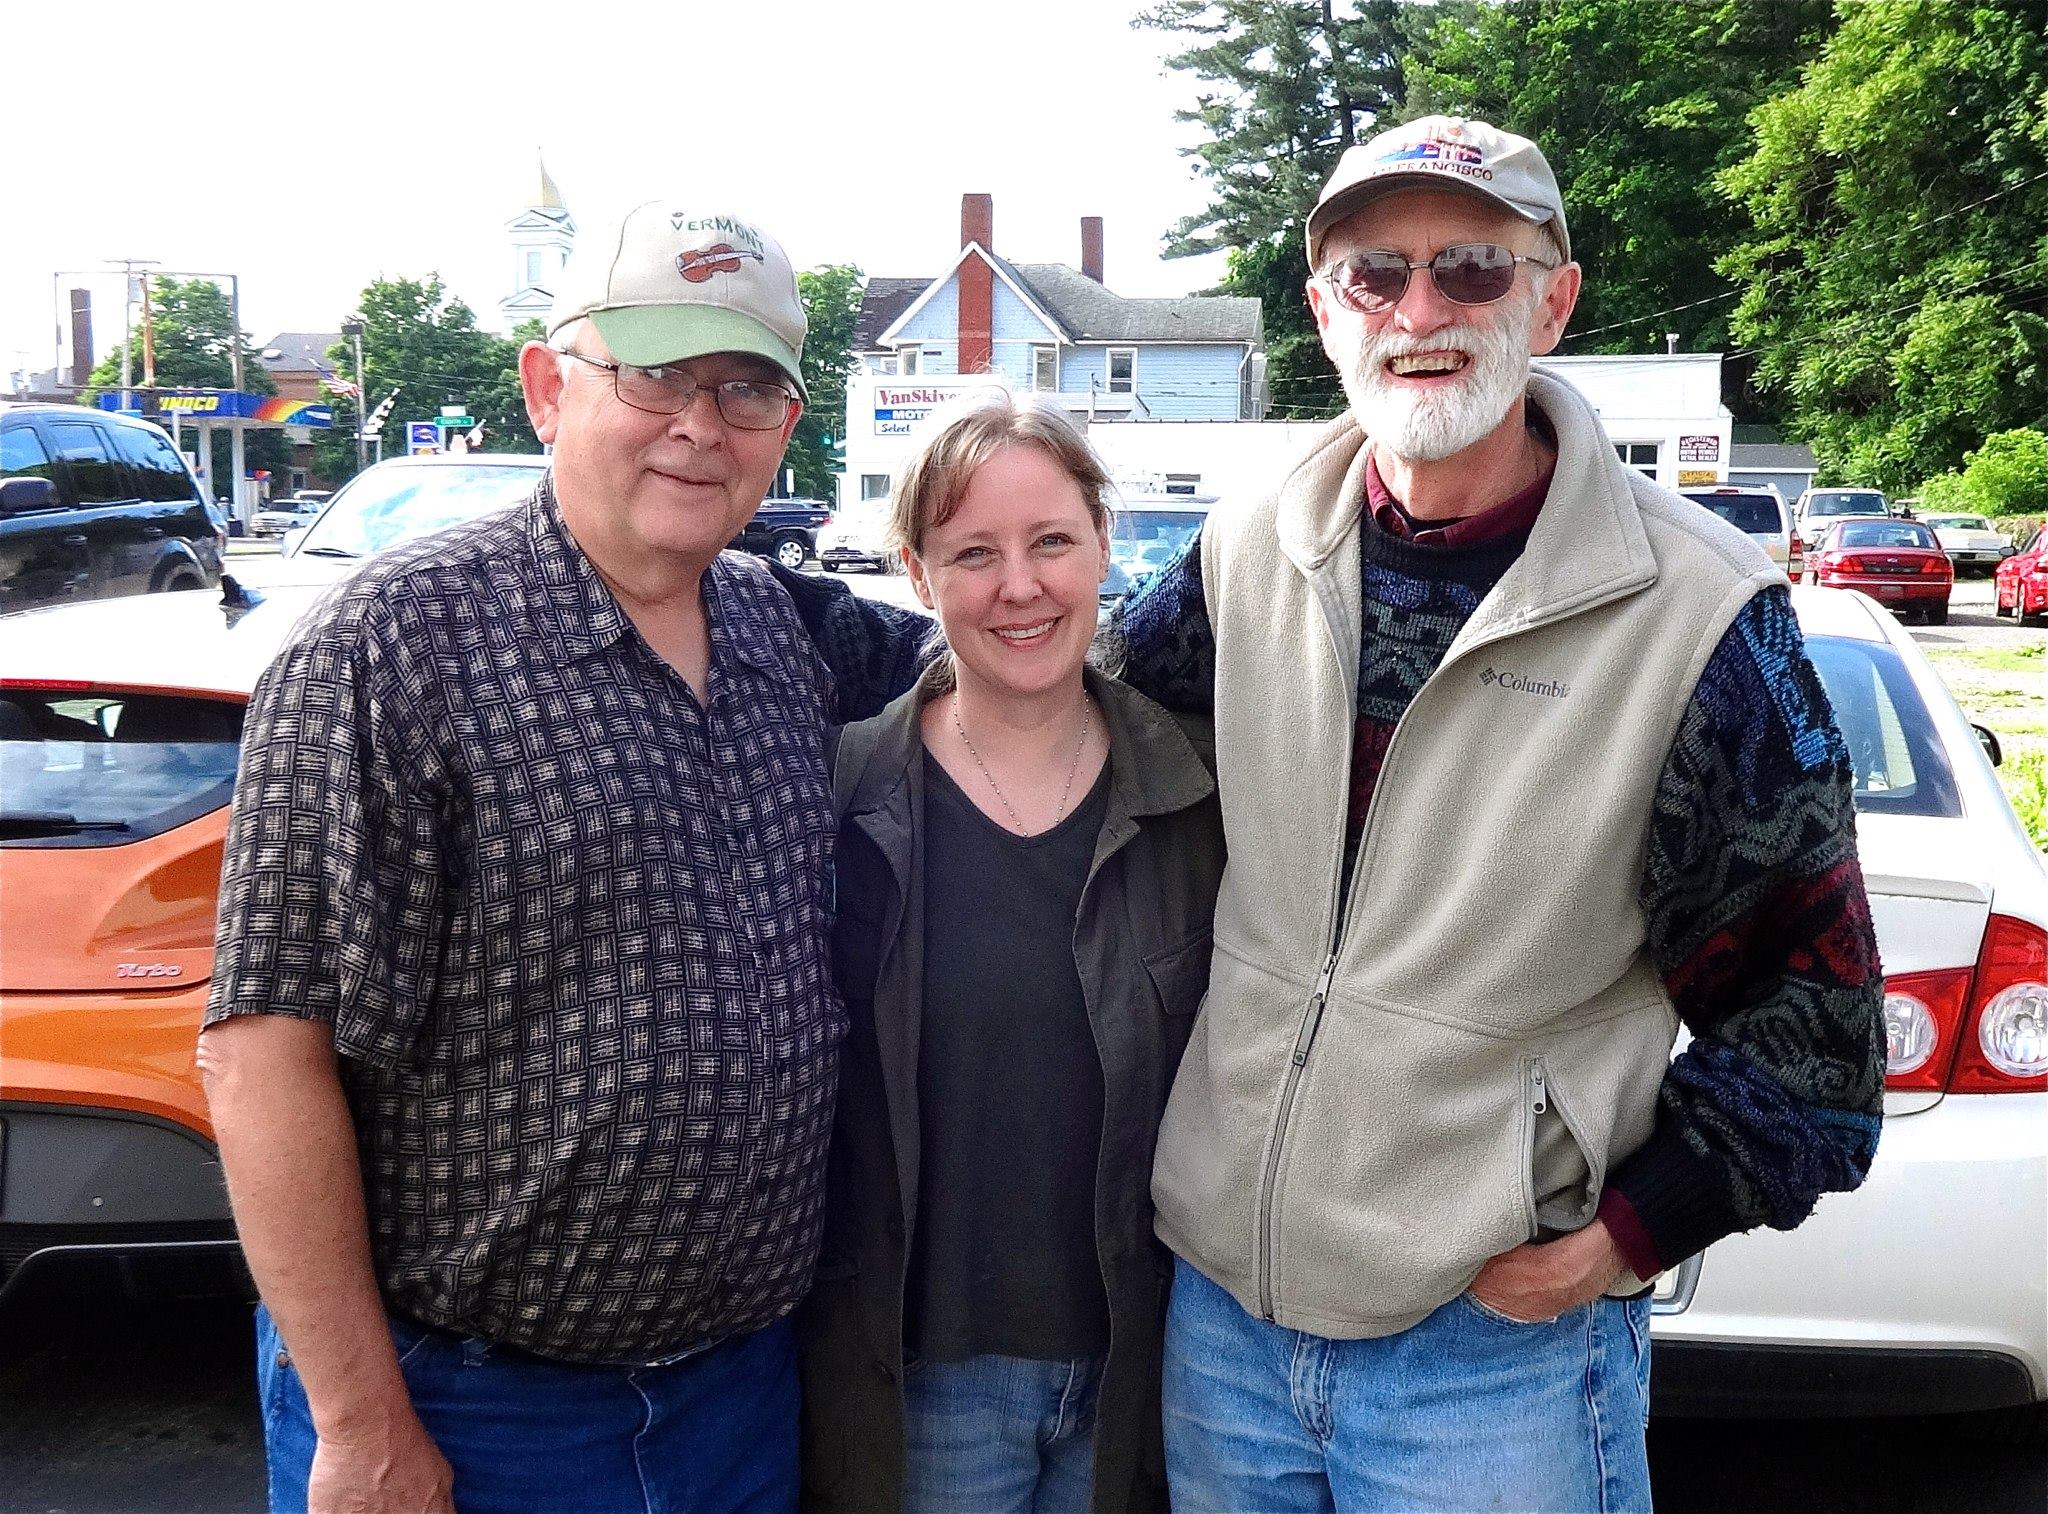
(2001, 687)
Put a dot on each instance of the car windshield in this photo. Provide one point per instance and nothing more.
(386, 506)
(1883, 533)
(99, 769)
(1957, 522)
(1899, 765)
(1143, 541)
(1845, 502)
(1756, 514)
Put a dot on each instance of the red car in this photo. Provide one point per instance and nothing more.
(2022, 582)
(1898, 563)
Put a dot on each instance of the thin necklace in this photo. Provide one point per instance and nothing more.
(1011, 810)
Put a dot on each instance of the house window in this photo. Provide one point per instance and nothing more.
(1641, 456)
(908, 360)
(1123, 370)
(533, 275)
(1045, 368)
(874, 486)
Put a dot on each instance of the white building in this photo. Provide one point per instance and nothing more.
(1663, 412)
(541, 236)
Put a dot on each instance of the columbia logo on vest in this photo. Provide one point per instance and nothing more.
(1549, 688)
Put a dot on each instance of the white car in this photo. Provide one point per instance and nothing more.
(858, 537)
(1759, 512)
(1926, 1290)
(283, 515)
(1969, 540)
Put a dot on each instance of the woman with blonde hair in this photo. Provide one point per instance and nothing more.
(1027, 867)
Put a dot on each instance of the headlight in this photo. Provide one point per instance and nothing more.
(1909, 1034)
(2013, 1030)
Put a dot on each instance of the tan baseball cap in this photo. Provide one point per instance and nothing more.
(1509, 170)
(665, 283)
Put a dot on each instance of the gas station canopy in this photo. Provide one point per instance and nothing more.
(224, 405)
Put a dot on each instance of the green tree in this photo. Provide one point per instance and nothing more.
(1899, 195)
(831, 297)
(2008, 475)
(192, 326)
(422, 342)
(1283, 89)
(1638, 106)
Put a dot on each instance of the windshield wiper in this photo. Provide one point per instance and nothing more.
(325, 552)
(15, 824)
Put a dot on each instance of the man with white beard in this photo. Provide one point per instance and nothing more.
(1523, 765)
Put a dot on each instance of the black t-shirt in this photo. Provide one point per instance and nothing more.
(1010, 1086)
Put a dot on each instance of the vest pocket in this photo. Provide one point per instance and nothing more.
(1564, 1175)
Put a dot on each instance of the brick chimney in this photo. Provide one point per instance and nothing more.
(977, 285)
(1091, 247)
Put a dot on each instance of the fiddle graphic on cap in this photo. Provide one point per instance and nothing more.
(718, 258)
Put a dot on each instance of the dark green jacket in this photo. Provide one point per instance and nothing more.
(1141, 944)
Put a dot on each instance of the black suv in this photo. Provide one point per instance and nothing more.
(93, 505)
(786, 530)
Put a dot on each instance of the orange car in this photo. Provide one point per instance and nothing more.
(120, 726)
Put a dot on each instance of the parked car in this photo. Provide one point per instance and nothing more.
(858, 538)
(1762, 515)
(119, 732)
(1969, 540)
(94, 505)
(282, 515)
(1896, 562)
(1146, 532)
(1816, 509)
(2021, 586)
(786, 530)
(1923, 1292)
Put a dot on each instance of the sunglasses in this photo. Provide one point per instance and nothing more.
(1470, 273)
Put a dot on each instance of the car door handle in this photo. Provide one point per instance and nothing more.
(151, 533)
(76, 539)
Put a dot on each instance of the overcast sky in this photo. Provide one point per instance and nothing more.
(310, 148)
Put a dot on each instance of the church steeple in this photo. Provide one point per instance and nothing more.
(541, 236)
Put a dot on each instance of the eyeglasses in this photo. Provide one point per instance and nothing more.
(1470, 273)
(745, 404)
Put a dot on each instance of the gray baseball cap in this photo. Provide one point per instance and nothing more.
(1449, 150)
(666, 283)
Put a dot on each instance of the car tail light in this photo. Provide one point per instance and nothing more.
(1923, 1016)
(2008, 1049)
(1935, 565)
(1795, 555)
(1842, 563)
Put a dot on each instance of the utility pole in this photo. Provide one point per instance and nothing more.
(128, 267)
(352, 328)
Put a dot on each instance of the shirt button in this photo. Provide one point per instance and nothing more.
(284, 1359)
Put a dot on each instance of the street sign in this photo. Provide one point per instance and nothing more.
(422, 436)
(458, 422)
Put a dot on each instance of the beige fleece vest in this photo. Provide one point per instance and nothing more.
(1367, 1113)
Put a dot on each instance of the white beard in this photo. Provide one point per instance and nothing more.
(1428, 427)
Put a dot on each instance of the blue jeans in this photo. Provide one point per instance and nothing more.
(1466, 1410)
(999, 1435)
(712, 1432)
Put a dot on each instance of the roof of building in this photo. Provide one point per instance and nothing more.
(1084, 309)
(299, 352)
(1789, 457)
(880, 303)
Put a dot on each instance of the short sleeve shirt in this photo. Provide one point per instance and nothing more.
(570, 928)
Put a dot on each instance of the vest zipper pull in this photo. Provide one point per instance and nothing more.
(1314, 1017)
(1539, 1091)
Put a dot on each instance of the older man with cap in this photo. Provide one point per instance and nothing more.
(1523, 766)
(522, 1040)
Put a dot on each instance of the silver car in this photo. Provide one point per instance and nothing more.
(1760, 514)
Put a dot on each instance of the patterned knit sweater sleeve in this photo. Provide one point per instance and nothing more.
(874, 651)
(1167, 645)
(1761, 931)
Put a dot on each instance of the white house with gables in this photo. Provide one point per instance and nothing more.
(541, 236)
(1047, 327)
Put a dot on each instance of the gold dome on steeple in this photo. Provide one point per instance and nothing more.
(550, 196)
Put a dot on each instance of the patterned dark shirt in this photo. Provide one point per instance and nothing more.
(570, 928)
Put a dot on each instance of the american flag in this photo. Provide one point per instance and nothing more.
(341, 386)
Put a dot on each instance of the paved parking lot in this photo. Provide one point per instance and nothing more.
(152, 1410)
